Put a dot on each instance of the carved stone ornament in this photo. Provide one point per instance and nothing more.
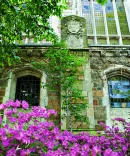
(74, 41)
(129, 53)
(74, 26)
(74, 31)
(103, 53)
(117, 53)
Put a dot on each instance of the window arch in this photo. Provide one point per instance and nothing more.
(119, 91)
(28, 88)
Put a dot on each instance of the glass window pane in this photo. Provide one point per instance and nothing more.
(119, 91)
(110, 18)
(86, 11)
(90, 41)
(122, 18)
(99, 20)
(101, 41)
(114, 41)
(126, 41)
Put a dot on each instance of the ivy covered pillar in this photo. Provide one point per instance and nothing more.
(75, 34)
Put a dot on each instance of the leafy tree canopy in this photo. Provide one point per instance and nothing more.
(28, 17)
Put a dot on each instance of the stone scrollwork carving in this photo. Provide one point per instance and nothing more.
(129, 53)
(117, 53)
(29, 52)
(74, 26)
(103, 53)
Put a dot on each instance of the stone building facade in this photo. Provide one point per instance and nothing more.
(101, 34)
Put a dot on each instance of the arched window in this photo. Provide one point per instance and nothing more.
(119, 92)
(28, 88)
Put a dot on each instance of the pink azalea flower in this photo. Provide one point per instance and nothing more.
(11, 152)
(25, 105)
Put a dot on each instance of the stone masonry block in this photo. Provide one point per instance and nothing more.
(53, 102)
(80, 69)
(98, 127)
(100, 112)
(78, 101)
(2, 92)
(80, 77)
(78, 125)
(97, 93)
(53, 93)
(95, 102)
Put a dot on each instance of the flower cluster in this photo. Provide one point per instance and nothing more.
(25, 132)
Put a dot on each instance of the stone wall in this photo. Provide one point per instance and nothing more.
(50, 98)
(9, 75)
(101, 62)
(105, 62)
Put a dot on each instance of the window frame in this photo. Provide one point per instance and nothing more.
(11, 88)
(117, 100)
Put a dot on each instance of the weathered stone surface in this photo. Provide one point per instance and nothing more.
(80, 77)
(79, 125)
(2, 92)
(100, 112)
(98, 127)
(95, 102)
(102, 58)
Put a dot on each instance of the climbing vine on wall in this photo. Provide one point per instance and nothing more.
(61, 69)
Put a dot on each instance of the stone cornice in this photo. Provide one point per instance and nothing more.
(109, 51)
(93, 51)
(40, 51)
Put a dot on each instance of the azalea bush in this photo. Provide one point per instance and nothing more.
(28, 132)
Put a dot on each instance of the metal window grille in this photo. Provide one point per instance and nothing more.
(28, 88)
(119, 92)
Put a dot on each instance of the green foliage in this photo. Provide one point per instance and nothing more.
(102, 2)
(61, 69)
(76, 104)
(28, 17)
(8, 55)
